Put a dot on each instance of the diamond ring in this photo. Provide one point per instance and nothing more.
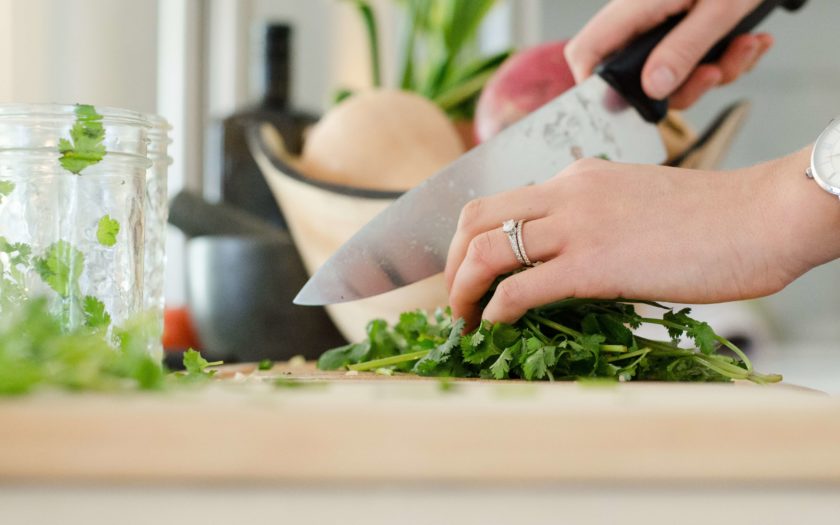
(513, 229)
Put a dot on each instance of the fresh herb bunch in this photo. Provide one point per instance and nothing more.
(37, 351)
(438, 59)
(566, 340)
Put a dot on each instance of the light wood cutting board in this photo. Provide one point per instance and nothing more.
(375, 428)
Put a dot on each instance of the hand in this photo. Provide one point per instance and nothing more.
(607, 230)
(672, 69)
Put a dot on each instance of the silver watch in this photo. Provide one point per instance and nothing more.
(825, 159)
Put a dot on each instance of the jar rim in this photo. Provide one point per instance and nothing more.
(110, 115)
(110, 158)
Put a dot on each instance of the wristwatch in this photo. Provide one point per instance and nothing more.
(825, 159)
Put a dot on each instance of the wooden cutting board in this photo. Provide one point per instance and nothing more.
(338, 427)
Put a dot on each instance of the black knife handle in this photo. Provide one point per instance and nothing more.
(623, 70)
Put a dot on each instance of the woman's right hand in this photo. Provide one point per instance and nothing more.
(672, 69)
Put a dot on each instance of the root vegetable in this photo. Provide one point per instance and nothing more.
(381, 139)
(525, 82)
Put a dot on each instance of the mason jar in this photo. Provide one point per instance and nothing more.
(156, 216)
(72, 226)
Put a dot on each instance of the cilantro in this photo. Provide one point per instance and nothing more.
(60, 267)
(567, 340)
(501, 367)
(86, 145)
(196, 366)
(107, 231)
(95, 314)
(6, 188)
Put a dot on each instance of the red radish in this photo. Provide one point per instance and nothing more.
(526, 81)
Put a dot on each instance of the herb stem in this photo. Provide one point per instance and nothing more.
(557, 326)
(534, 328)
(617, 349)
(389, 361)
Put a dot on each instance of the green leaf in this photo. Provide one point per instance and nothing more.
(265, 364)
(479, 346)
(86, 144)
(677, 321)
(344, 355)
(107, 231)
(501, 367)
(196, 366)
(461, 21)
(704, 337)
(96, 316)
(537, 365)
(60, 267)
(6, 188)
(441, 354)
(19, 253)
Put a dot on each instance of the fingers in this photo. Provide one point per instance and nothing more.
(673, 60)
(741, 56)
(482, 215)
(612, 28)
(703, 79)
(489, 255)
(532, 288)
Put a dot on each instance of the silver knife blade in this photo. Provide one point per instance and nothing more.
(409, 240)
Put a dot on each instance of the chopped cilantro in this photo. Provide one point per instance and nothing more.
(86, 145)
(6, 188)
(196, 366)
(60, 267)
(107, 231)
(95, 314)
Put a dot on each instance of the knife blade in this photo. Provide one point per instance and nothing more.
(606, 115)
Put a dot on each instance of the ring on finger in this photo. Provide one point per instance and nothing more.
(513, 229)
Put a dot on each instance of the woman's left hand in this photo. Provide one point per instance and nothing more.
(608, 230)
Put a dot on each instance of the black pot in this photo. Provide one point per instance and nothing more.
(240, 294)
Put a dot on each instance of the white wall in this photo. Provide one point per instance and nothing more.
(99, 51)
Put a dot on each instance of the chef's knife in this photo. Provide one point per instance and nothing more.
(607, 115)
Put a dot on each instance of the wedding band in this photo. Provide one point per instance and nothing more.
(521, 244)
(513, 229)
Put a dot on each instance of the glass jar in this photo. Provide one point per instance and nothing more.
(76, 238)
(156, 216)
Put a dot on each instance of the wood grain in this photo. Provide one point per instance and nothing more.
(375, 428)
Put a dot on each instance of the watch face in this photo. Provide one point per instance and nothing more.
(825, 161)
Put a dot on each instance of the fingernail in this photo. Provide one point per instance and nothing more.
(661, 82)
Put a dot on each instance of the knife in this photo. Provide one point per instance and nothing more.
(606, 115)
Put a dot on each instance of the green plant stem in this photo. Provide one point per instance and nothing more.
(556, 326)
(722, 340)
(460, 93)
(389, 361)
(617, 349)
(534, 328)
(373, 38)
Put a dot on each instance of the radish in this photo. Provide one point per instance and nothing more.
(525, 82)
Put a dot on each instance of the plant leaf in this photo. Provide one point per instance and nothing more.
(107, 231)
(86, 145)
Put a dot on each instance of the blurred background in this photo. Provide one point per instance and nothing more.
(197, 62)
